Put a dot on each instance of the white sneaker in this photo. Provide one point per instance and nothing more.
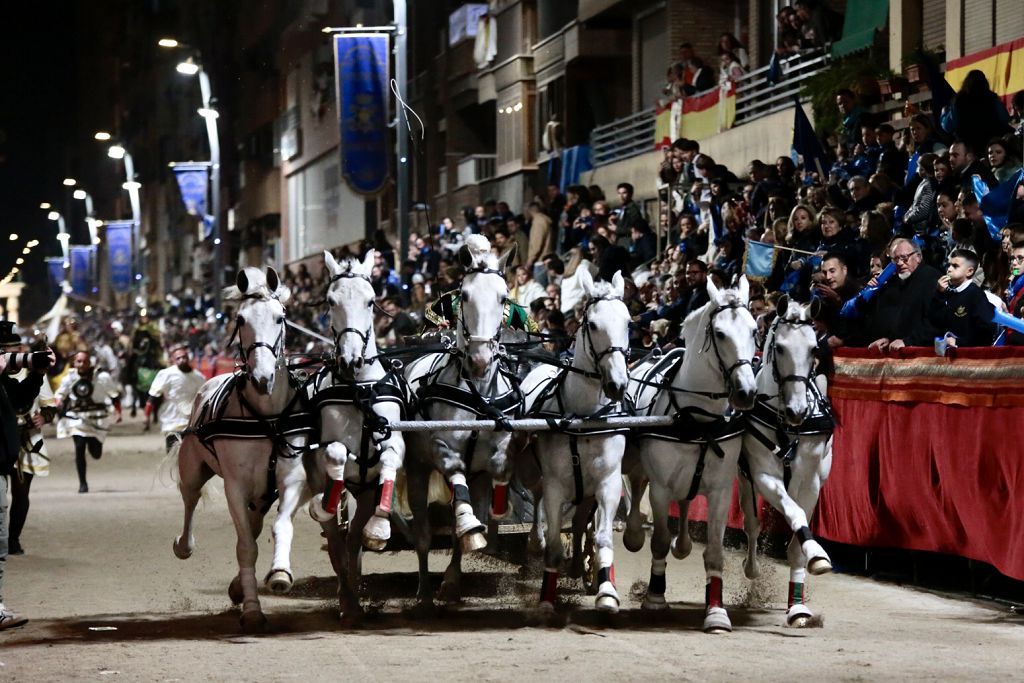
(9, 619)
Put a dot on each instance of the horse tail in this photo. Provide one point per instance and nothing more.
(167, 469)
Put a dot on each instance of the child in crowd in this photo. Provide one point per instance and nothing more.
(960, 306)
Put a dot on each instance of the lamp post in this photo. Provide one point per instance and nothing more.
(133, 187)
(90, 214)
(193, 67)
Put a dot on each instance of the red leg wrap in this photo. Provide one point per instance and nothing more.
(332, 496)
(713, 592)
(386, 491)
(499, 500)
(797, 593)
(549, 586)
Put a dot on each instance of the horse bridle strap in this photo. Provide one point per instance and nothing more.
(591, 350)
(480, 339)
(727, 372)
(780, 380)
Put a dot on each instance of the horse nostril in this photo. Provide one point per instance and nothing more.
(359, 363)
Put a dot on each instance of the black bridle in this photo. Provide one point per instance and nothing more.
(773, 357)
(591, 350)
(711, 341)
(364, 336)
(243, 351)
(471, 338)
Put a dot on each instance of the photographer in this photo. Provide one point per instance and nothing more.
(85, 398)
(15, 396)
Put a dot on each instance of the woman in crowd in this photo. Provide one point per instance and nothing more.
(1001, 160)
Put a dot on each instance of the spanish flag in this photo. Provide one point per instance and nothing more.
(696, 117)
(1003, 66)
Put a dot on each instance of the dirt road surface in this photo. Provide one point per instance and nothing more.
(109, 601)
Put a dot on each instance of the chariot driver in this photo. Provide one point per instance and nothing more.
(444, 311)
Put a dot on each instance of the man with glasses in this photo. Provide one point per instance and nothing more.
(898, 316)
(172, 393)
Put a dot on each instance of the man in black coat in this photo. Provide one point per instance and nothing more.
(898, 315)
(15, 396)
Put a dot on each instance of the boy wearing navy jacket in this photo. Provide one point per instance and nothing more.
(960, 306)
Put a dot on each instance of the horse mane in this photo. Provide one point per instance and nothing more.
(690, 325)
(602, 289)
(480, 253)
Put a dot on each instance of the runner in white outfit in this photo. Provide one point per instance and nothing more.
(85, 398)
(172, 393)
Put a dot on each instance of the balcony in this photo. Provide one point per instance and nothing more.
(474, 169)
(623, 138)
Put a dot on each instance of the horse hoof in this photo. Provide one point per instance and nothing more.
(819, 566)
(751, 569)
(253, 622)
(799, 616)
(681, 547)
(182, 551)
(717, 621)
(545, 607)
(466, 523)
(317, 512)
(654, 602)
(607, 603)
(473, 542)
(449, 593)
(279, 581)
(535, 547)
(634, 539)
(376, 533)
(235, 591)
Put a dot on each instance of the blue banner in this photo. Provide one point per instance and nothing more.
(759, 260)
(81, 269)
(55, 268)
(361, 61)
(119, 251)
(192, 181)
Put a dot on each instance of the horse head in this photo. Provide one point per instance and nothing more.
(482, 303)
(259, 324)
(730, 335)
(350, 297)
(603, 336)
(791, 350)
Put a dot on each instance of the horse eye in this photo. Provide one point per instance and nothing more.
(465, 297)
(720, 335)
(280, 321)
(241, 320)
(781, 351)
(592, 326)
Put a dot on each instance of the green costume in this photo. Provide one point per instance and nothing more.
(444, 311)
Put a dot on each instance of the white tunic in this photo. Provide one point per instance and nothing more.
(32, 456)
(87, 415)
(178, 389)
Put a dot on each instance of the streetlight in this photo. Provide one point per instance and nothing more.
(102, 135)
(13, 237)
(45, 206)
(80, 194)
(90, 215)
(62, 235)
(192, 66)
(70, 182)
(116, 152)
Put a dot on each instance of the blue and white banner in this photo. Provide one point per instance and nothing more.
(119, 251)
(55, 268)
(81, 269)
(759, 260)
(361, 62)
(193, 183)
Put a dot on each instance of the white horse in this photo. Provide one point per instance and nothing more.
(356, 397)
(468, 383)
(584, 466)
(700, 452)
(248, 428)
(788, 449)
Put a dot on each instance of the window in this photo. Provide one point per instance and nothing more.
(652, 36)
(318, 198)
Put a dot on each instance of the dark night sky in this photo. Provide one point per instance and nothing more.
(38, 98)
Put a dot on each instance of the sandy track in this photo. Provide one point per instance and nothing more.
(108, 599)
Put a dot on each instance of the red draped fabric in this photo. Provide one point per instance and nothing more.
(925, 457)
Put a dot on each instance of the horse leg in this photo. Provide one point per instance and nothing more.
(581, 517)
(682, 544)
(377, 531)
(716, 619)
(661, 538)
(751, 526)
(608, 494)
(246, 551)
(798, 551)
(292, 485)
(351, 564)
(553, 550)
(535, 544)
(417, 483)
(468, 528)
(774, 491)
(193, 473)
(634, 536)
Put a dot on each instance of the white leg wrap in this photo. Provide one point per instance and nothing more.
(605, 557)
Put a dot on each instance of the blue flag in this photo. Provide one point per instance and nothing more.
(997, 202)
(192, 181)
(575, 161)
(759, 260)
(55, 268)
(81, 269)
(807, 144)
(362, 72)
(119, 252)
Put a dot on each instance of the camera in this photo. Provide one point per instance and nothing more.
(36, 360)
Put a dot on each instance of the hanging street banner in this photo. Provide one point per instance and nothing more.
(55, 268)
(81, 269)
(363, 72)
(193, 183)
(119, 251)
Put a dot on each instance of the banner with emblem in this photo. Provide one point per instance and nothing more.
(192, 182)
(119, 253)
(81, 269)
(363, 72)
(55, 268)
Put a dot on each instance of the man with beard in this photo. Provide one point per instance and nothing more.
(172, 393)
(84, 399)
(898, 315)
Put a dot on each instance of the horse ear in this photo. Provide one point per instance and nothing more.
(242, 282)
(332, 265)
(273, 281)
(368, 261)
(712, 290)
(586, 280)
(465, 256)
(782, 306)
(744, 290)
(619, 284)
(814, 309)
(510, 255)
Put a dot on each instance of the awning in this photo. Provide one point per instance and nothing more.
(863, 18)
(588, 9)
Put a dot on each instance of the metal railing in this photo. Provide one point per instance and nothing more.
(623, 138)
(756, 96)
(475, 168)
